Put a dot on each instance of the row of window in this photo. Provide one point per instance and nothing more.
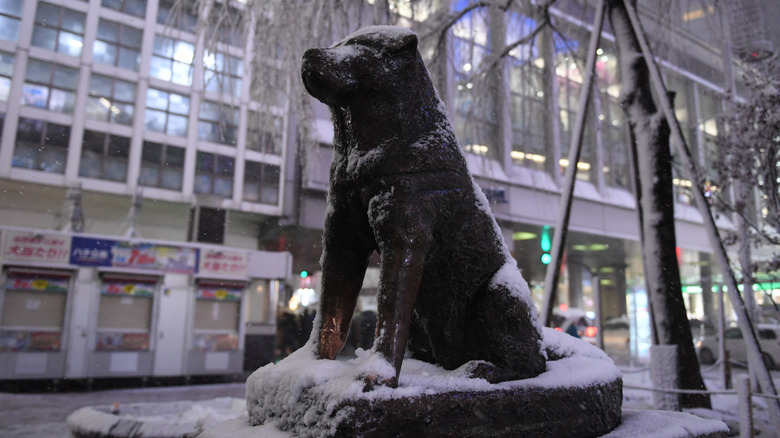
(61, 30)
(531, 100)
(53, 87)
(42, 145)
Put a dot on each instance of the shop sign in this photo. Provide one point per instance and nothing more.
(122, 341)
(36, 283)
(159, 258)
(215, 342)
(91, 252)
(24, 340)
(223, 263)
(25, 246)
(128, 288)
(219, 293)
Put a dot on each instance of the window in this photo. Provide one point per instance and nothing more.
(118, 45)
(568, 75)
(166, 112)
(214, 174)
(230, 29)
(10, 18)
(218, 123)
(110, 100)
(132, 7)
(177, 14)
(59, 29)
(50, 86)
(527, 106)
(472, 122)
(41, 146)
(172, 60)
(207, 225)
(261, 183)
(264, 133)
(6, 71)
(162, 166)
(269, 86)
(104, 156)
(222, 73)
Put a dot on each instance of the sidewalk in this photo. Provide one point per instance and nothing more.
(42, 415)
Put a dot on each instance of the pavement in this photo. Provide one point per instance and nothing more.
(43, 414)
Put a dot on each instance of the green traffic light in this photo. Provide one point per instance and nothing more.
(304, 274)
(546, 258)
(544, 240)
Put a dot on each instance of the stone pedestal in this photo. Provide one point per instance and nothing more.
(580, 395)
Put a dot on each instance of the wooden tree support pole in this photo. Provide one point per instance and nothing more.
(567, 192)
(743, 318)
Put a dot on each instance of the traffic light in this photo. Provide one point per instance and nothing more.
(545, 244)
(304, 274)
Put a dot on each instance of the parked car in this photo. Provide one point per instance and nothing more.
(575, 322)
(768, 338)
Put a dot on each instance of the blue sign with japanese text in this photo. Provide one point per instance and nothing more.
(91, 252)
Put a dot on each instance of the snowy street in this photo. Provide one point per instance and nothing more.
(42, 415)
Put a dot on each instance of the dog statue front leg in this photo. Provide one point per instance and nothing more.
(399, 284)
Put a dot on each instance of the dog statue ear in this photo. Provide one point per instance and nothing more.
(406, 42)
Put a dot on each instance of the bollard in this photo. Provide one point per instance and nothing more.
(663, 375)
(745, 407)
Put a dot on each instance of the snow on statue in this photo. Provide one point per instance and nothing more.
(399, 185)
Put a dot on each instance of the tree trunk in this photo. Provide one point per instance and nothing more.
(652, 161)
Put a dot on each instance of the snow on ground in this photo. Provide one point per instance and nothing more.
(43, 415)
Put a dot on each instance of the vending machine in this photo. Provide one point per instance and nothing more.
(33, 322)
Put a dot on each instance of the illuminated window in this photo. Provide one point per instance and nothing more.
(222, 73)
(41, 146)
(162, 166)
(172, 60)
(104, 156)
(118, 45)
(166, 112)
(473, 126)
(6, 71)
(214, 174)
(50, 86)
(110, 100)
(10, 19)
(527, 109)
(59, 29)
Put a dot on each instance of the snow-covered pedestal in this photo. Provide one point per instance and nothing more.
(579, 395)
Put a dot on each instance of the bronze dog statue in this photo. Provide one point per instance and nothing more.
(399, 185)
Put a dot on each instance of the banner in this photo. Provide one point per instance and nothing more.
(223, 263)
(160, 258)
(26, 246)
